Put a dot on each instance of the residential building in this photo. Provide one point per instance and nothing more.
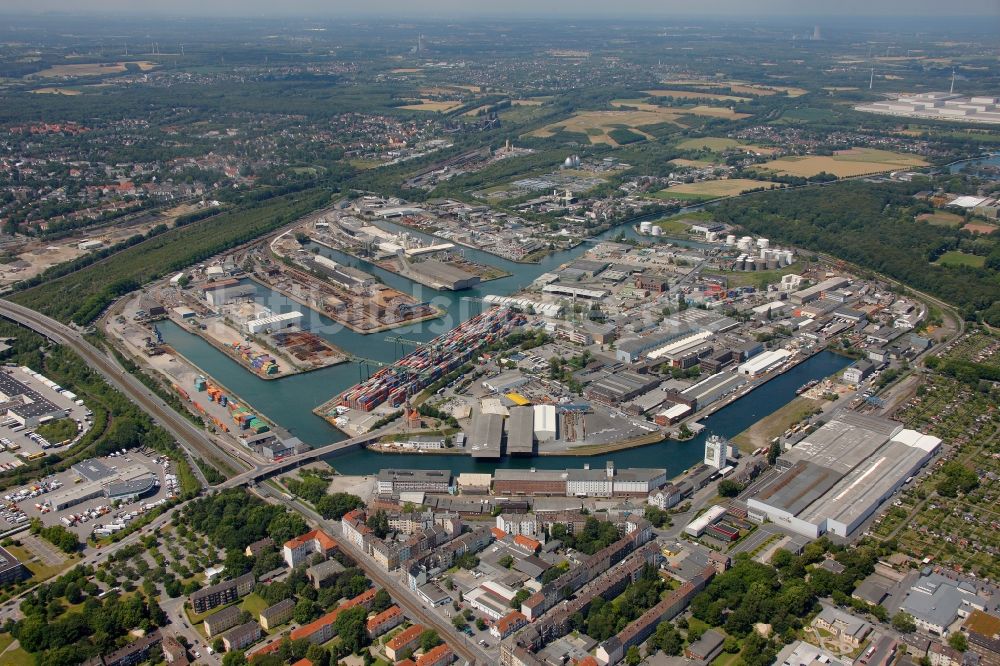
(173, 651)
(508, 624)
(983, 633)
(944, 655)
(320, 574)
(240, 637)
(384, 621)
(408, 639)
(225, 619)
(258, 547)
(518, 523)
(666, 498)
(222, 593)
(846, 627)
(297, 550)
(135, 652)
(277, 615)
(441, 655)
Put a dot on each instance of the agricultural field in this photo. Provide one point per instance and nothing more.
(598, 124)
(713, 143)
(696, 164)
(91, 69)
(711, 189)
(957, 258)
(940, 218)
(742, 87)
(951, 515)
(431, 105)
(69, 92)
(691, 94)
(845, 163)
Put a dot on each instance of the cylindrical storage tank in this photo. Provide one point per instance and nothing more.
(763, 243)
(657, 231)
(731, 239)
(645, 227)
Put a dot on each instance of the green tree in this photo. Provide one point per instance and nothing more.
(632, 657)
(958, 641)
(429, 639)
(903, 622)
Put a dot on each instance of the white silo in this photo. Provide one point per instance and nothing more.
(657, 231)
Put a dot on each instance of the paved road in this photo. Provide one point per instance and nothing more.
(193, 440)
(400, 593)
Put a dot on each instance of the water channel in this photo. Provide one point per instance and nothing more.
(289, 401)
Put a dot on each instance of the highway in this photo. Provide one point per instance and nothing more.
(401, 594)
(194, 441)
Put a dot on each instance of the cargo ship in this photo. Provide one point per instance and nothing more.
(805, 387)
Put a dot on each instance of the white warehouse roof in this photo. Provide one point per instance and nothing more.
(698, 525)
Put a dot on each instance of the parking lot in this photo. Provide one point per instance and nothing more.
(54, 499)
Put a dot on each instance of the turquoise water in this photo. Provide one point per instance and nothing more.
(290, 401)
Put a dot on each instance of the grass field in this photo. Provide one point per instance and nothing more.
(254, 603)
(92, 69)
(431, 105)
(980, 227)
(941, 219)
(673, 227)
(710, 189)
(956, 258)
(530, 102)
(691, 94)
(845, 163)
(762, 432)
(743, 87)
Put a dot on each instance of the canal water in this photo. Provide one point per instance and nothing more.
(290, 401)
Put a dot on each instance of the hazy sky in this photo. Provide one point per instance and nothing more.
(623, 9)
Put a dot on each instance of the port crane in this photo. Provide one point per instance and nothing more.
(403, 342)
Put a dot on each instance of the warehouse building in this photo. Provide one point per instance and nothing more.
(511, 482)
(762, 364)
(226, 294)
(839, 475)
(619, 387)
(814, 292)
(611, 482)
(713, 388)
(521, 431)
(545, 424)
(440, 275)
(24, 404)
(486, 439)
(274, 322)
(391, 482)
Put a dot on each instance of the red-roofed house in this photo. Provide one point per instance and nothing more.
(301, 547)
(439, 656)
(321, 630)
(303, 662)
(406, 662)
(403, 641)
(498, 533)
(588, 661)
(384, 621)
(527, 543)
(508, 624)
